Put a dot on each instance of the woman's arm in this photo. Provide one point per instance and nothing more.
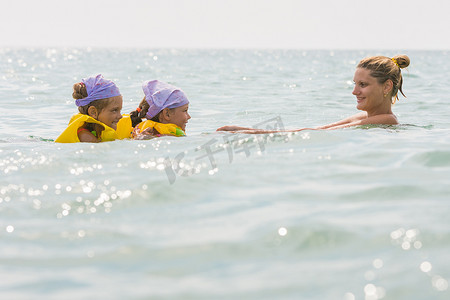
(262, 131)
(349, 120)
(235, 128)
(239, 129)
(355, 120)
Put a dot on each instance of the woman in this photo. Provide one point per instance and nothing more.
(378, 79)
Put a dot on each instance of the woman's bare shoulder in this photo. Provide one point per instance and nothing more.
(388, 119)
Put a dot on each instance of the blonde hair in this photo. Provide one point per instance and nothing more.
(384, 68)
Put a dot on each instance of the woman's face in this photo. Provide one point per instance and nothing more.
(179, 116)
(111, 114)
(368, 92)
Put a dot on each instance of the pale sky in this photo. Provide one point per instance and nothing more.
(296, 24)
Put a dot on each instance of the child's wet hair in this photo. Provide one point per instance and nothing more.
(137, 115)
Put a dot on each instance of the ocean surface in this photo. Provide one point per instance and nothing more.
(357, 213)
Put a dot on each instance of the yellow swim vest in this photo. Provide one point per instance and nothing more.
(70, 134)
(163, 129)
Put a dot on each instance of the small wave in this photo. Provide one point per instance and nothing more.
(439, 159)
(393, 127)
(33, 138)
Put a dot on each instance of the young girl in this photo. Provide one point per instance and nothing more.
(166, 109)
(99, 102)
(378, 79)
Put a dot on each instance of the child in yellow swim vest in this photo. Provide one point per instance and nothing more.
(165, 108)
(100, 103)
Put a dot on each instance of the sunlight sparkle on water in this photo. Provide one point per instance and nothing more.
(282, 231)
(439, 283)
(349, 296)
(406, 238)
(373, 292)
(377, 263)
(426, 266)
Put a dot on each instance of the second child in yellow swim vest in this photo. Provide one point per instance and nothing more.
(100, 103)
(165, 108)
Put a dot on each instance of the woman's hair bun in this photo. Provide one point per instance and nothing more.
(402, 60)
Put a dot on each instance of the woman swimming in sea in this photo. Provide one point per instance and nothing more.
(99, 102)
(165, 108)
(378, 79)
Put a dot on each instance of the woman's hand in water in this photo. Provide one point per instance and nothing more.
(146, 134)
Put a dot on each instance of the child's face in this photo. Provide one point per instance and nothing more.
(179, 116)
(111, 114)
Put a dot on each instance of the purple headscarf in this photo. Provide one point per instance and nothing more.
(97, 88)
(160, 95)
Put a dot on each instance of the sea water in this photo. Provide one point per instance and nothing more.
(357, 213)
